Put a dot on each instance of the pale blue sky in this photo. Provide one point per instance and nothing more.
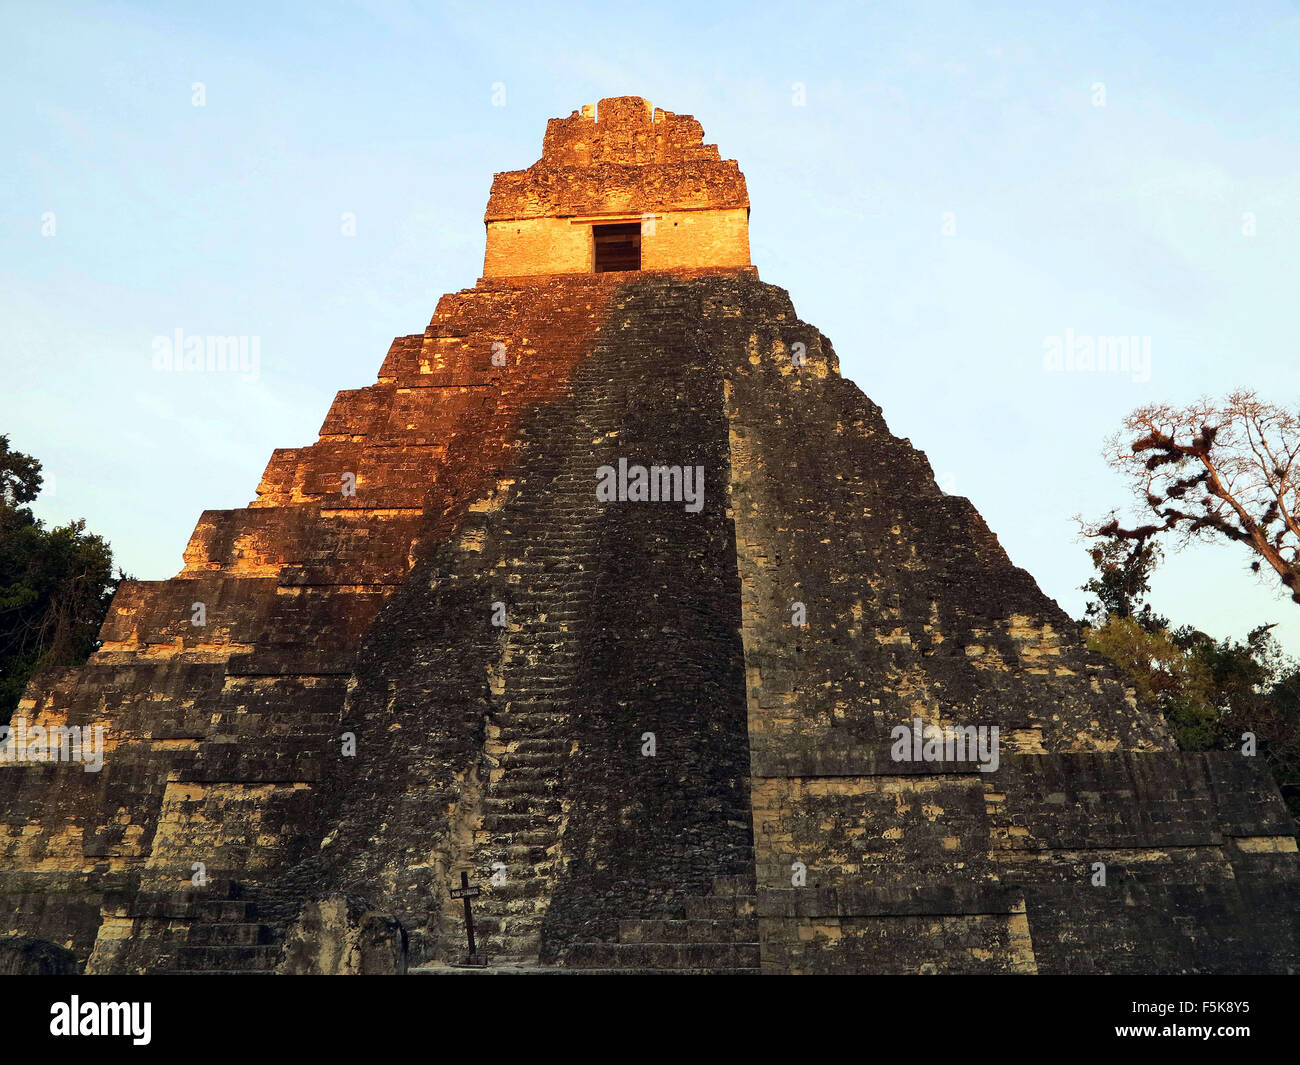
(225, 219)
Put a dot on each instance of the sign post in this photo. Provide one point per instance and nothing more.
(465, 893)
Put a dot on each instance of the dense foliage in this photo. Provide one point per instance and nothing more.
(55, 584)
(1210, 691)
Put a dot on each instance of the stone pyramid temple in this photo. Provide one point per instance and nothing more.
(612, 594)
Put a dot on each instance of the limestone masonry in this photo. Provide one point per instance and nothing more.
(655, 737)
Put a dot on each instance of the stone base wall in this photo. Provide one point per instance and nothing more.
(500, 645)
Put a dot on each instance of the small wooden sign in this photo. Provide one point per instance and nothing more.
(465, 893)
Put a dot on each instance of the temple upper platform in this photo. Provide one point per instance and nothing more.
(620, 186)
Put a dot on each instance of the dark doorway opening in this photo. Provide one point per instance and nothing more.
(618, 247)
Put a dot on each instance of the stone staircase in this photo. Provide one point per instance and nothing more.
(531, 738)
(209, 930)
(558, 524)
(715, 933)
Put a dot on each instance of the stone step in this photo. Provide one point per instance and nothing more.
(733, 930)
(713, 907)
(540, 745)
(215, 889)
(229, 935)
(527, 760)
(520, 722)
(531, 855)
(227, 958)
(531, 758)
(516, 729)
(530, 765)
(552, 686)
(521, 871)
(536, 710)
(186, 903)
(534, 787)
(225, 911)
(744, 884)
(537, 970)
(515, 889)
(527, 805)
(657, 956)
(521, 719)
(535, 838)
(507, 823)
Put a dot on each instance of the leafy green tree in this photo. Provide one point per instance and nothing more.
(1209, 691)
(1280, 738)
(20, 476)
(55, 584)
(1123, 582)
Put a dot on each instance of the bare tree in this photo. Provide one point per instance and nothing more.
(1207, 471)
